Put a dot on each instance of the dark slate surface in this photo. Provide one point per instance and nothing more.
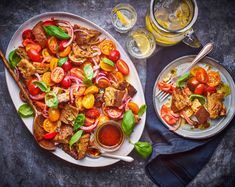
(23, 163)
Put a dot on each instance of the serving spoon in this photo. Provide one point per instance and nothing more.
(38, 131)
(96, 153)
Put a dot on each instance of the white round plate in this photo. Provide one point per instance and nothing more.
(217, 125)
(133, 78)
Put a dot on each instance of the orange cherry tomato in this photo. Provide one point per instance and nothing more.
(106, 67)
(46, 77)
(35, 46)
(102, 119)
(53, 63)
(106, 46)
(57, 75)
(201, 75)
(194, 70)
(134, 107)
(103, 83)
(65, 52)
(213, 78)
(53, 44)
(122, 67)
(54, 114)
(49, 126)
(34, 55)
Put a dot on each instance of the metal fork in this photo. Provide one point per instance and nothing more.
(161, 95)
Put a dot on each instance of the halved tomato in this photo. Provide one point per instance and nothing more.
(213, 78)
(103, 83)
(27, 34)
(122, 67)
(65, 52)
(201, 75)
(34, 46)
(134, 107)
(169, 88)
(113, 112)
(57, 75)
(92, 113)
(200, 89)
(33, 89)
(27, 41)
(106, 46)
(167, 116)
(53, 44)
(48, 23)
(34, 55)
(77, 72)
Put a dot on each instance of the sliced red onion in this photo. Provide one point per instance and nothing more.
(189, 121)
(38, 76)
(37, 97)
(101, 77)
(45, 59)
(77, 30)
(112, 81)
(126, 103)
(174, 114)
(96, 67)
(90, 128)
(73, 88)
(45, 113)
(97, 51)
(76, 79)
(96, 60)
(175, 127)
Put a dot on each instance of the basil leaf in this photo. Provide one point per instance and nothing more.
(142, 110)
(144, 149)
(79, 121)
(51, 100)
(56, 31)
(42, 85)
(75, 138)
(14, 59)
(62, 61)
(180, 82)
(107, 61)
(88, 71)
(25, 110)
(128, 122)
(87, 81)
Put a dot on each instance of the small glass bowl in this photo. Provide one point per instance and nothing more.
(107, 148)
(123, 17)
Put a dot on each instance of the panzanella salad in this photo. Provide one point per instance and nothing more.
(77, 81)
(197, 98)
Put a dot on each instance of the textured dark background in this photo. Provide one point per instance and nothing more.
(23, 163)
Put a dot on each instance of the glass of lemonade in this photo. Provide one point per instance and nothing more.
(140, 43)
(171, 21)
(123, 17)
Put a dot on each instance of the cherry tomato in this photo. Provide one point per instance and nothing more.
(57, 75)
(114, 55)
(65, 52)
(53, 44)
(91, 90)
(50, 135)
(166, 115)
(35, 46)
(194, 70)
(103, 83)
(77, 72)
(53, 63)
(200, 89)
(106, 67)
(48, 23)
(27, 34)
(214, 78)
(169, 88)
(113, 112)
(88, 101)
(92, 113)
(106, 46)
(102, 119)
(54, 114)
(49, 126)
(27, 41)
(66, 82)
(192, 83)
(40, 105)
(62, 45)
(210, 89)
(34, 55)
(122, 67)
(134, 107)
(89, 122)
(201, 75)
(33, 89)
(67, 66)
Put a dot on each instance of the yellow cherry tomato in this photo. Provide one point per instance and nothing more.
(46, 54)
(46, 77)
(80, 91)
(106, 67)
(102, 119)
(119, 76)
(53, 63)
(54, 114)
(88, 101)
(91, 90)
(134, 107)
(106, 46)
(49, 126)
(78, 103)
(65, 52)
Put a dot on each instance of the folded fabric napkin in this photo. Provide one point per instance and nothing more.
(175, 160)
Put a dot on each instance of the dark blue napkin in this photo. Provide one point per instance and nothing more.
(175, 160)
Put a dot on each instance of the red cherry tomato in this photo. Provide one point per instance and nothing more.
(33, 89)
(67, 66)
(88, 122)
(66, 82)
(62, 45)
(34, 55)
(192, 83)
(50, 135)
(113, 112)
(201, 75)
(210, 89)
(27, 34)
(57, 75)
(114, 55)
(35, 46)
(200, 89)
(169, 88)
(92, 113)
(27, 41)
(167, 116)
(48, 23)
(53, 44)
(122, 67)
